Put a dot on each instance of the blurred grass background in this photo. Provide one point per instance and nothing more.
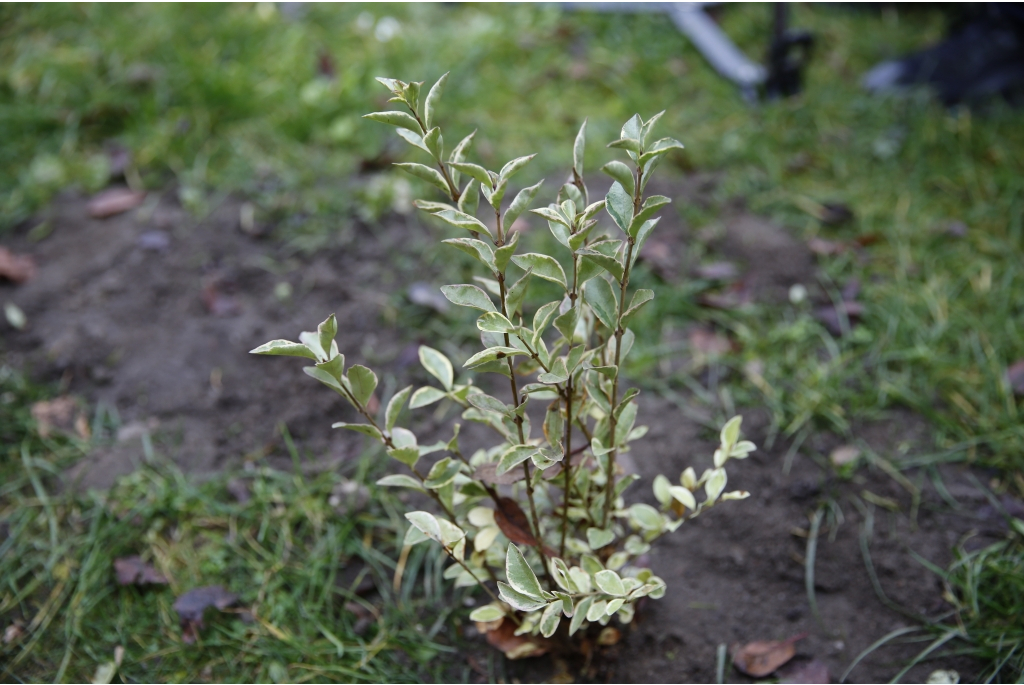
(264, 101)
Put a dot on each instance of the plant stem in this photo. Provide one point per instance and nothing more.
(452, 190)
(610, 484)
(567, 464)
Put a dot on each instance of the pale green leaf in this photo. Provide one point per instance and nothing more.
(519, 601)
(363, 382)
(470, 198)
(520, 576)
(285, 348)
(632, 128)
(550, 619)
(396, 118)
(400, 480)
(504, 253)
(619, 205)
(650, 206)
(578, 149)
(435, 143)
(684, 496)
(468, 296)
(543, 266)
(598, 538)
(475, 248)
(485, 402)
(407, 455)
(437, 365)
(513, 457)
(515, 295)
(566, 323)
(645, 130)
(519, 204)
(641, 297)
(515, 165)
(432, 97)
(491, 354)
(599, 295)
(608, 582)
(715, 484)
(629, 144)
(486, 613)
(442, 473)
(473, 171)
(395, 405)
(661, 487)
(495, 322)
(580, 614)
(428, 174)
(647, 516)
(460, 220)
(363, 428)
(425, 396)
(597, 610)
(426, 523)
(731, 433)
(609, 264)
(413, 139)
(621, 173)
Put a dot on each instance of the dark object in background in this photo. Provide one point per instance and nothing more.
(788, 55)
(983, 58)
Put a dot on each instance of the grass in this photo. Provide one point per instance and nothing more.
(296, 565)
(257, 101)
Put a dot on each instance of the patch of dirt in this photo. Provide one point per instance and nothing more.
(151, 314)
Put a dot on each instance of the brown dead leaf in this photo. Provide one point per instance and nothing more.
(114, 201)
(1015, 375)
(761, 658)
(15, 267)
(609, 636)
(134, 571)
(512, 521)
(812, 671)
(191, 606)
(488, 474)
(60, 415)
(516, 646)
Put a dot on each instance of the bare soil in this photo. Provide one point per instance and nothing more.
(151, 314)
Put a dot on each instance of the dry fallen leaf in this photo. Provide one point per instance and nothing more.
(844, 455)
(758, 659)
(61, 414)
(15, 267)
(812, 671)
(516, 646)
(191, 605)
(512, 521)
(134, 571)
(609, 636)
(114, 201)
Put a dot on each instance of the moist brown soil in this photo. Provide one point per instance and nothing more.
(151, 314)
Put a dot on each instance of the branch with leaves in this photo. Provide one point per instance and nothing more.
(578, 530)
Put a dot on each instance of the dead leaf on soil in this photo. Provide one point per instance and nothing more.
(114, 201)
(609, 636)
(844, 455)
(488, 473)
(517, 646)
(16, 268)
(758, 659)
(191, 605)
(134, 571)
(60, 415)
(812, 671)
(1015, 375)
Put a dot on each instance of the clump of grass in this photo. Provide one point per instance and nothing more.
(314, 572)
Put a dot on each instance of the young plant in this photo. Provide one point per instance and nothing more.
(548, 500)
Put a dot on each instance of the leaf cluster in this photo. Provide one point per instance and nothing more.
(548, 499)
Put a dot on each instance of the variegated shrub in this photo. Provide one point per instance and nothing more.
(548, 500)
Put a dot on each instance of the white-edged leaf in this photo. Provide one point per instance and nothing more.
(495, 322)
(400, 480)
(513, 166)
(475, 248)
(580, 614)
(395, 405)
(520, 203)
(396, 118)
(437, 365)
(364, 428)
(542, 265)
(621, 173)
(598, 538)
(431, 102)
(578, 148)
(425, 396)
(608, 582)
(517, 600)
(684, 496)
(619, 205)
(363, 382)
(487, 613)
(551, 617)
(428, 174)
(468, 296)
(462, 220)
(285, 348)
(426, 523)
(520, 576)
(513, 457)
